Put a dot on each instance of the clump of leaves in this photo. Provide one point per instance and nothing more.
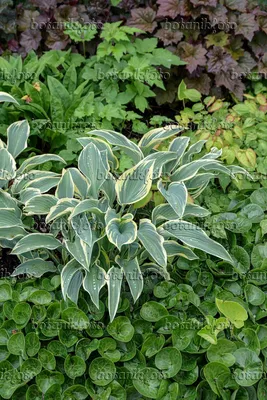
(102, 225)
(63, 94)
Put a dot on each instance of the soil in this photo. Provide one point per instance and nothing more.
(8, 263)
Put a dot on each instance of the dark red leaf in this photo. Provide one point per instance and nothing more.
(143, 18)
(193, 55)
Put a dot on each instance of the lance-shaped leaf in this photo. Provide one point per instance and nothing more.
(17, 136)
(176, 196)
(40, 204)
(7, 97)
(193, 236)
(102, 146)
(160, 158)
(199, 180)
(7, 167)
(188, 171)
(82, 228)
(44, 184)
(93, 282)
(133, 275)
(69, 283)
(12, 233)
(9, 218)
(117, 139)
(36, 267)
(65, 187)
(81, 184)
(38, 160)
(135, 183)
(91, 165)
(175, 249)
(114, 281)
(121, 231)
(27, 194)
(163, 212)
(194, 149)
(7, 201)
(156, 136)
(89, 205)
(178, 145)
(24, 181)
(195, 211)
(63, 207)
(81, 251)
(35, 241)
(152, 241)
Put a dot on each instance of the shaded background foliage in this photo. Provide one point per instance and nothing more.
(223, 41)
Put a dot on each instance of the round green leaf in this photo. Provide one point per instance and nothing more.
(121, 329)
(169, 361)
(147, 382)
(16, 344)
(74, 366)
(153, 311)
(47, 359)
(249, 367)
(22, 313)
(102, 371)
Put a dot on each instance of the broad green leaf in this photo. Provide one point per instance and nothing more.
(35, 241)
(135, 183)
(147, 382)
(48, 378)
(22, 313)
(16, 344)
(114, 281)
(233, 311)
(152, 241)
(153, 311)
(117, 139)
(93, 282)
(36, 267)
(193, 236)
(91, 165)
(133, 275)
(212, 372)
(249, 368)
(17, 136)
(121, 231)
(176, 196)
(102, 371)
(169, 361)
(74, 366)
(121, 329)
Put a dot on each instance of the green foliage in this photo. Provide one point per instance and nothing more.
(63, 95)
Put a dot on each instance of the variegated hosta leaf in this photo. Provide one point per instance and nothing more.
(36, 267)
(117, 139)
(155, 269)
(175, 249)
(178, 145)
(89, 205)
(81, 184)
(7, 167)
(17, 136)
(133, 275)
(195, 211)
(23, 181)
(91, 164)
(102, 146)
(213, 154)
(38, 160)
(176, 196)
(121, 231)
(156, 136)
(216, 166)
(188, 171)
(36, 241)
(82, 228)
(44, 184)
(40, 204)
(81, 251)
(9, 218)
(108, 188)
(193, 236)
(11, 233)
(199, 180)
(93, 282)
(160, 158)
(69, 283)
(194, 149)
(135, 183)
(63, 207)
(65, 187)
(7, 97)
(163, 212)
(27, 194)
(152, 241)
(6, 201)
(114, 281)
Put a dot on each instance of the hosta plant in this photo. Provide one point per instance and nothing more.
(98, 226)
